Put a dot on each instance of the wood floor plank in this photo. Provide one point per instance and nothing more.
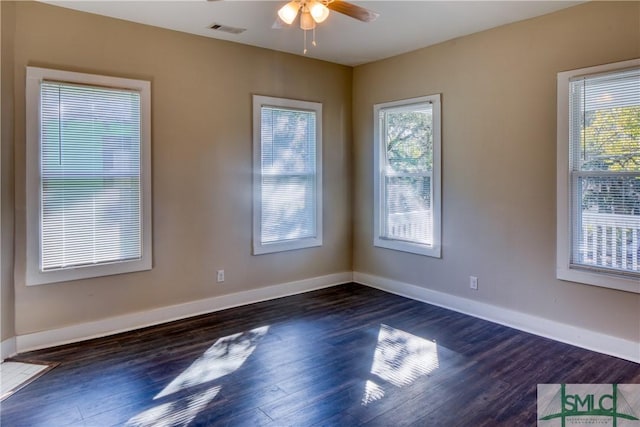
(343, 356)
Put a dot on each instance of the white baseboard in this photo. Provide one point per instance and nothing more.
(143, 319)
(580, 337)
(590, 340)
(7, 348)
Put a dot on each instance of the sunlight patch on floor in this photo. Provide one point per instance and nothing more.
(14, 375)
(225, 356)
(177, 413)
(372, 392)
(400, 358)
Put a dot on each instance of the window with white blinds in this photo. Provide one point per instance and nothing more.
(287, 174)
(88, 159)
(603, 172)
(407, 180)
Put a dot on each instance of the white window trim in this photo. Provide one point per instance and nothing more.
(33, 275)
(434, 250)
(260, 248)
(564, 270)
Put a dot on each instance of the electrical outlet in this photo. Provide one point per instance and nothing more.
(473, 283)
(220, 276)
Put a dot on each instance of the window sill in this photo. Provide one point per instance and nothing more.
(37, 277)
(414, 248)
(291, 245)
(601, 279)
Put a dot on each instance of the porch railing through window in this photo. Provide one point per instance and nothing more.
(610, 241)
(414, 226)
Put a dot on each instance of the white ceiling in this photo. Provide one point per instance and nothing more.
(402, 26)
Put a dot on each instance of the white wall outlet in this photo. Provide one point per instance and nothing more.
(473, 283)
(220, 276)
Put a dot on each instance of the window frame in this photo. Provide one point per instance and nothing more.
(564, 189)
(33, 273)
(260, 247)
(380, 240)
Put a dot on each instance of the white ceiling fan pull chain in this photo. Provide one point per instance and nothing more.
(304, 52)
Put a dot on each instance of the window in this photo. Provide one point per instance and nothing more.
(407, 175)
(287, 162)
(88, 176)
(599, 176)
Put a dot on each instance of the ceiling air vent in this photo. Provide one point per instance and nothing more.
(227, 29)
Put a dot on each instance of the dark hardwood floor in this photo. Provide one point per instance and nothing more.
(343, 356)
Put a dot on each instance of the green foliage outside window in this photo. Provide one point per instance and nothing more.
(610, 141)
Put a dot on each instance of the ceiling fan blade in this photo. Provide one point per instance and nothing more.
(354, 11)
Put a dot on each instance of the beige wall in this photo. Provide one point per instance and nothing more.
(7, 28)
(499, 161)
(201, 139)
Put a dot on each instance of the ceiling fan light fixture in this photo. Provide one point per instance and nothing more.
(313, 12)
(318, 11)
(306, 21)
(289, 11)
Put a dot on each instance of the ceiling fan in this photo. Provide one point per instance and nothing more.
(314, 12)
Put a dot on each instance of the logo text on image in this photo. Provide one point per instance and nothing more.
(576, 405)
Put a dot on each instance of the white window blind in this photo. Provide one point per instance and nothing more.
(408, 175)
(88, 175)
(604, 158)
(90, 172)
(288, 194)
(288, 174)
